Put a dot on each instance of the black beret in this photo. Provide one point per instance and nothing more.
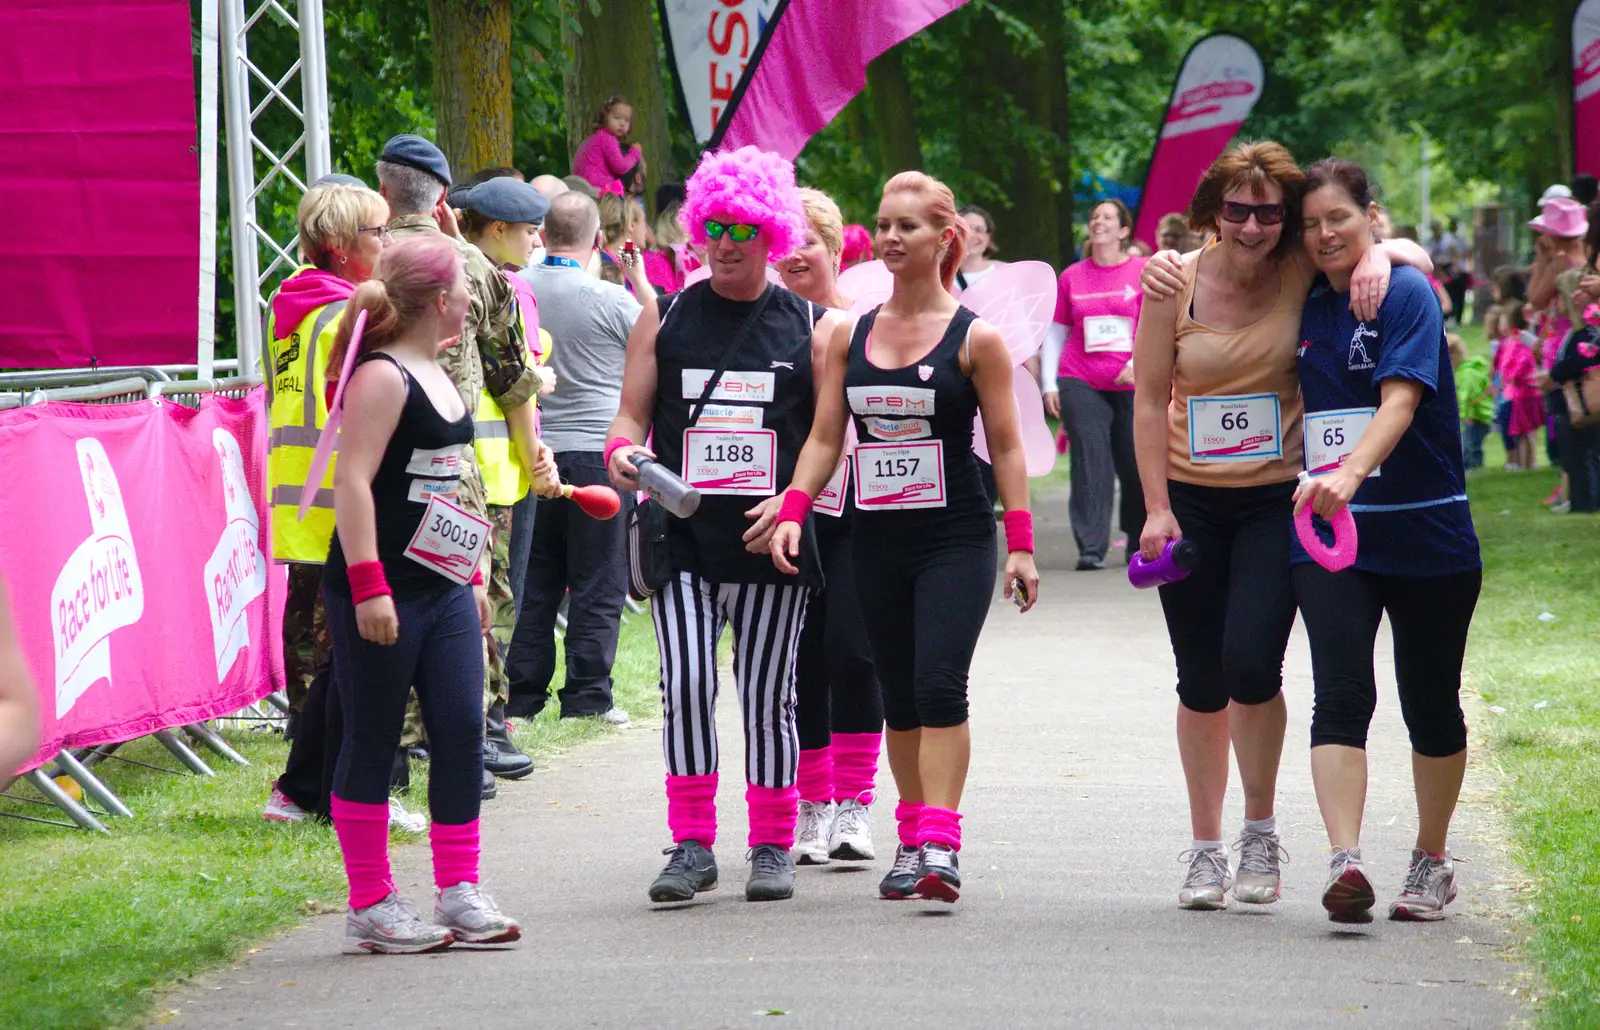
(457, 195)
(339, 178)
(416, 152)
(506, 200)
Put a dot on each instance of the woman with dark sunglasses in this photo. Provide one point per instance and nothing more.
(1217, 431)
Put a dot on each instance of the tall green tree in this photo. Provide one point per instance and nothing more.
(615, 47)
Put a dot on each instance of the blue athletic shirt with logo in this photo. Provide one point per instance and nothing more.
(1413, 518)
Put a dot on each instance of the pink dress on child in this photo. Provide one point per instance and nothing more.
(600, 159)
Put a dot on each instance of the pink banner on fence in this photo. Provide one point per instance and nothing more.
(1586, 87)
(1220, 81)
(138, 564)
(809, 64)
(100, 164)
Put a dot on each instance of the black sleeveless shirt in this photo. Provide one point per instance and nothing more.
(929, 399)
(768, 385)
(423, 458)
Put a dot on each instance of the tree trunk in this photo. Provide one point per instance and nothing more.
(1028, 226)
(894, 115)
(472, 82)
(617, 52)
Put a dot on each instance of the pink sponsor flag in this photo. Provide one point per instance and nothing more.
(1220, 81)
(1586, 87)
(811, 60)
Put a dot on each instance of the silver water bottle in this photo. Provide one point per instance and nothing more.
(666, 488)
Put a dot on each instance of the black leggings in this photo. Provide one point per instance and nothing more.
(440, 651)
(923, 602)
(1230, 619)
(1428, 617)
(836, 689)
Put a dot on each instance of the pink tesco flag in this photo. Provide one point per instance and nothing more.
(810, 63)
(1586, 87)
(1218, 84)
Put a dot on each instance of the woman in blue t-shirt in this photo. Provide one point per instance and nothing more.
(1383, 437)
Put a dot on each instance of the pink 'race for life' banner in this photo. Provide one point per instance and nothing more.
(137, 564)
(810, 63)
(1586, 87)
(1220, 81)
(100, 167)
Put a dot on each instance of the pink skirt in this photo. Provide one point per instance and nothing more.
(1527, 415)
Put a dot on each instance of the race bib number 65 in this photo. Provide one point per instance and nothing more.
(1238, 428)
(1332, 435)
(450, 540)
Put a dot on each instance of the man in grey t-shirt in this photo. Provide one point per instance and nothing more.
(589, 321)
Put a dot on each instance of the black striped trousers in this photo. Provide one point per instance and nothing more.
(689, 614)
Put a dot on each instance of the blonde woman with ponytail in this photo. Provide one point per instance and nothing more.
(404, 591)
(913, 374)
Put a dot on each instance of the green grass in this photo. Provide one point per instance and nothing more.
(91, 925)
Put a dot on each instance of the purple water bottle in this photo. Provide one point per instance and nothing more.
(1175, 562)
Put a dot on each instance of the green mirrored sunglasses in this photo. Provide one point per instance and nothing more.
(738, 232)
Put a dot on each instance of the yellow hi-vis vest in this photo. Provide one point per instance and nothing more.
(504, 480)
(297, 366)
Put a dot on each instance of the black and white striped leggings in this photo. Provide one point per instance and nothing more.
(689, 614)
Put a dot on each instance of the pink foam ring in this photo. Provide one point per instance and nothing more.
(1019, 299)
(1342, 554)
(330, 429)
(704, 272)
(869, 283)
(1038, 443)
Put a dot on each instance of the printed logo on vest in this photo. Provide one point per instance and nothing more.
(924, 372)
(1360, 360)
(730, 416)
(746, 387)
(897, 428)
(891, 400)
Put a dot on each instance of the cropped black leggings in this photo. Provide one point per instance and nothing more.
(1230, 619)
(1428, 617)
(836, 688)
(440, 652)
(923, 602)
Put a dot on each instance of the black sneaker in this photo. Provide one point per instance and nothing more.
(500, 756)
(938, 873)
(771, 874)
(690, 870)
(1087, 564)
(901, 881)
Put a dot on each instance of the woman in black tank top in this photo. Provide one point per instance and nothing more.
(405, 601)
(913, 374)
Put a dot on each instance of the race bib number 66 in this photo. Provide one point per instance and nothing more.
(1238, 428)
(450, 540)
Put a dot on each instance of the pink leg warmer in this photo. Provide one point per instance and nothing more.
(773, 811)
(455, 853)
(940, 826)
(855, 765)
(908, 814)
(692, 808)
(815, 779)
(363, 832)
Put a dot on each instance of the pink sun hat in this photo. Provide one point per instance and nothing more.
(1561, 216)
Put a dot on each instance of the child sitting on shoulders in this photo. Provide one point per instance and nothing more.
(600, 158)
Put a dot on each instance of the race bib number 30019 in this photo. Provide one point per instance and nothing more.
(1238, 428)
(1332, 435)
(449, 541)
(894, 476)
(739, 462)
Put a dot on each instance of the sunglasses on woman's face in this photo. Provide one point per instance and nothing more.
(738, 232)
(1266, 214)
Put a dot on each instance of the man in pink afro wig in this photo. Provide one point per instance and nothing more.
(746, 186)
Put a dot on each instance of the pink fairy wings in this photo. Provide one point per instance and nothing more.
(330, 429)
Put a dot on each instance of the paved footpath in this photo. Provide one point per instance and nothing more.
(1075, 816)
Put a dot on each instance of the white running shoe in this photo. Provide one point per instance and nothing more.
(281, 810)
(1259, 881)
(473, 917)
(1430, 886)
(393, 926)
(1348, 896)
(851, 839)
(1206, 886)
(400, 819)
(811, 832)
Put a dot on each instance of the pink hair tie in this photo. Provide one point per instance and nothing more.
(796, 506)
(367, 581)
(614, 445)
(1019, 530)
(1342, 554)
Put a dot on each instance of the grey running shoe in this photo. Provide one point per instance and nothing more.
(1206, 886)
(771, 874)
(473, 916)
(1258, 881)
(1348, 896)
(901, 881)
(811, 832)
(851, 839)
(392, 927)
(938, 874)
(691, 869)
(1430, 886)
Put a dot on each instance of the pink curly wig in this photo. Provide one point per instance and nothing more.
(746, 185)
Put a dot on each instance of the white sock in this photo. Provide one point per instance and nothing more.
(1268, 826)
(1207, 845)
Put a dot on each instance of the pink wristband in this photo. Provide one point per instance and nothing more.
(367, 581)
(796, 506)
(1019, 531)
(611, 448)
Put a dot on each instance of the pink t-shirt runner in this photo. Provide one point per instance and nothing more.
(1099, 305)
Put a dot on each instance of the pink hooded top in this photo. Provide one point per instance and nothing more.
(600, 159)
(1518, 371)
(302, 293)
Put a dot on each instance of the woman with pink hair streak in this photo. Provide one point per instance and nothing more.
(725, 377)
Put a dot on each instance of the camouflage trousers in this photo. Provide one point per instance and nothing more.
(496, 683)
(306, 643)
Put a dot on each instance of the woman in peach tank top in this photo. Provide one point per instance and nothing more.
(1217, 430)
